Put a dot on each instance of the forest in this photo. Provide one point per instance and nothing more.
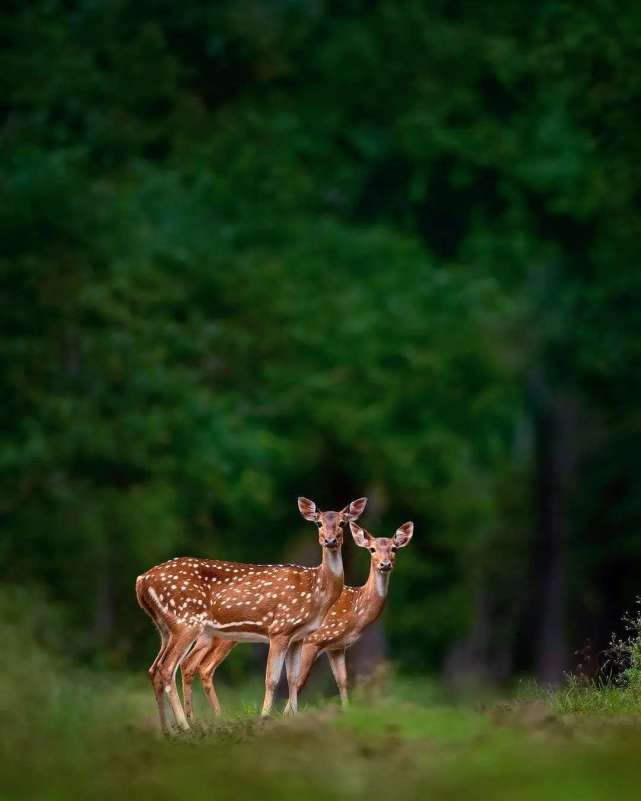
(261, 249)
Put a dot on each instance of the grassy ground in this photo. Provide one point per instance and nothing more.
(98, 739)
(71, 735)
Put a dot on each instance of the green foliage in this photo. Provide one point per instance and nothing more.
(256, 249)
(616, 689)
(624, 654)
(580, 696)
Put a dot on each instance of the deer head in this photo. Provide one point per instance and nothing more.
(382, 549)
(330, 524)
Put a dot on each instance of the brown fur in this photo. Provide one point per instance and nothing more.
(193, 600)
(355, 609)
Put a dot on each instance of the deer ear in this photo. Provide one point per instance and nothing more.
(361, 537)
(403, 534)
(354, 509)
(308, 509)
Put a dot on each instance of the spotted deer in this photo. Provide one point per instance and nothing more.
(192, 600)
(355, 609)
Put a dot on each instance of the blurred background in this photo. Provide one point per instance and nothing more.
(258, 249)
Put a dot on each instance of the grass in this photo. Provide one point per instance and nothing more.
(70, 735)
(97, 738)
(595, 698)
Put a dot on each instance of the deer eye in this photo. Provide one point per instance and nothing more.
(318, 523)
(372, 550)
(394, 548)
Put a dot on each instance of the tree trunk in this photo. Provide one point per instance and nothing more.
(554, 425)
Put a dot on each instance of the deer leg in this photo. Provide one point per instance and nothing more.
(208, 666)
(190, 667)
(165, 678)
(298, 679)
(292, 666)
(156, 683)
(277, 650)
(339, 669)
(164, 636)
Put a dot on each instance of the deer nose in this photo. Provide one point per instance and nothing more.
(331, 543)
(385, 566)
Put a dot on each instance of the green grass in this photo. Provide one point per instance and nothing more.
(596, 698)
(98, 738)
(68, 735)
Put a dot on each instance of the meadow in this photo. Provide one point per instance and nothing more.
(72, 733)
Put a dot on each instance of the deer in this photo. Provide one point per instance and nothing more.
(193, 600)
(355, 610)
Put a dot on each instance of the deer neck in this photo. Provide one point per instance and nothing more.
(375, 592)
(330, 578)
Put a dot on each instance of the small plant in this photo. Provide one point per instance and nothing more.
(623, 655)
(610, 684)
